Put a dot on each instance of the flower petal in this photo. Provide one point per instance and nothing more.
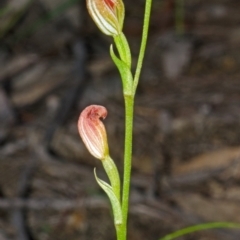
(92, 130)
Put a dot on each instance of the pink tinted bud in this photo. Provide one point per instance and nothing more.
(92, 130)
(108, 15)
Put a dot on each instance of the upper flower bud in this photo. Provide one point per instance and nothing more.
(108, 15)
(92, 130)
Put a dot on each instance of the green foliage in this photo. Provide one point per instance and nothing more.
(200, 227)
(117, 212)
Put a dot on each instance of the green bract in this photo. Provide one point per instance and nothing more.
(116, 206)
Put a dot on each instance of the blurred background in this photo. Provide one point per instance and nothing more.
(186, 164)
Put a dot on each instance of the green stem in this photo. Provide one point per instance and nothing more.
(143, 43)
(129, 104)
(120, 233)
(200, 227)
(129, 107)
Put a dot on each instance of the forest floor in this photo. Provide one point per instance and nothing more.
(186, 156)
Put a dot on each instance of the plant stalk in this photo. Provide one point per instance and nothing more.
(146, 21)
(129, 105)
(129, 108)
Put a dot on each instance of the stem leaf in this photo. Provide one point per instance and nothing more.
(125, 72)
(113, 175)
(117, 212)
(200, 227)
(123, 49)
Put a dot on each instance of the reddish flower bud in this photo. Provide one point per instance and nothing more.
(108, 15)
(92, 130)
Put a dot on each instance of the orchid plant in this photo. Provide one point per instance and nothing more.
(109, 17)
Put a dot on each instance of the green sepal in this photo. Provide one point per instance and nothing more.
(125, 72)
(116, 206)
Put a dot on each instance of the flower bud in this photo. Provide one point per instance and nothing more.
(92, 130)
(108, 15)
